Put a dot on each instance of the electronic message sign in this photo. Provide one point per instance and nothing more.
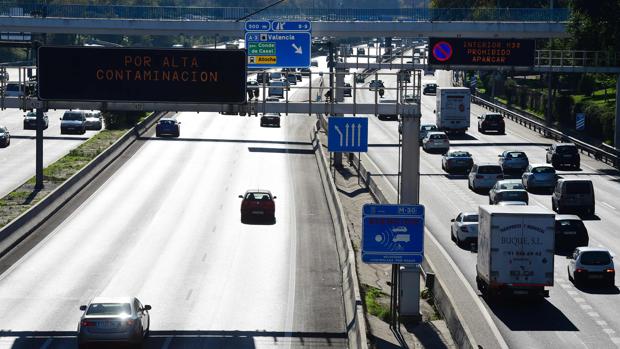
(481, 52)
(142, 75)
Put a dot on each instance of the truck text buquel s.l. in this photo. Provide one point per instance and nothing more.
(453, 107)
(515, 250)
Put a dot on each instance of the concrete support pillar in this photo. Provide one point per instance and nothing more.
(617, 125)
(39, 150)
(388, 44)
(340, 84)
(549, 111)
(410, 156)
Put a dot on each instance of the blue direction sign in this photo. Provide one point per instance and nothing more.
(278, 44)
(278, 49)
(346, 134)
(393, 234)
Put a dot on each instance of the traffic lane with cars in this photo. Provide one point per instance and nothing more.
(166, 228)
(446, 197)
(604, 178)
(18, 159)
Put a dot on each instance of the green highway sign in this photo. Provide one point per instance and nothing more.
(262, 48)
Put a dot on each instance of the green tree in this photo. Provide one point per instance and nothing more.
(594, 25)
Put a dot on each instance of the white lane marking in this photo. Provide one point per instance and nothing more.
(593, 314)
(602, 323)
(47, 343)
(585, 307)
(609, 331)
(563, 285)
(608, 205)
(579, 300)
(572, 293)
(616, 340)
(166, 344)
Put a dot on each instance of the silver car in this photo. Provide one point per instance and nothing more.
(93, 121)
(424, 129)
(591, 264)
(465, 228)
(484, 176)
(539, 176)
(436, 141)
(114, 319)
(513, 161)
(508, 190)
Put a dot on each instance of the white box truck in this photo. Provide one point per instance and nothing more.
(452, 112)
(515, 250)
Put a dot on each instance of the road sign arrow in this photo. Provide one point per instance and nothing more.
(340, 133)
(346, 135)
(297, 49)
(359, 134)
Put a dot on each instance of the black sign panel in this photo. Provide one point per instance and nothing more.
(481, 52)
(142, 75)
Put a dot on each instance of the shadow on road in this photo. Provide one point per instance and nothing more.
(185, 339)
(516, 314)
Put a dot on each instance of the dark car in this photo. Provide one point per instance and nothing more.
(347, 90)
(292, 79)
(259, 204)
(570, 233)
(491, 122)
(430, 89)
(276, 88)
(457, 160)
(563, 154)
(305, 71)
(253, 89)
(5, 137)
(30, 121)
(168, 127)
(270, 119)
(262, 78)
(375, 85)
(73, 121)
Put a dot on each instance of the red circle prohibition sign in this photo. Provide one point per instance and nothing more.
(442, 51)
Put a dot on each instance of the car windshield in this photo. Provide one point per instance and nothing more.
(470, 218)
(31, 115)
(258, 196)
(2, 130)
(578, 187)
(460, 154)
(489, 169)
(72, 116)
(276, 75)
(511, 185)
(543, 170)
(109, 309)
(166, 122)
(429, 128)
(516, 155)
(566, 149)
(595, 258)
(513, 195)
(438, 137)
(12, 87)
(493, 117)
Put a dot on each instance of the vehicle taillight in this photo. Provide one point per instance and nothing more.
(86, 323)
(129, 322)
(610, 270)
(579, 270)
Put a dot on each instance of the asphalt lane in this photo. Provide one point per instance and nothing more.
(570, 317)
(166, 228)
(17, 161)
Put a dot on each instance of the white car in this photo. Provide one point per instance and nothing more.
(436, 141)
(591, 264)
(465, 228)
(539, 176)
(484, 176)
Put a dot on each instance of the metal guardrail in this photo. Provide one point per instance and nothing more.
(606, 156)
(18, 9)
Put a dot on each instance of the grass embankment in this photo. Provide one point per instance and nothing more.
(375, 301)
(25, 196)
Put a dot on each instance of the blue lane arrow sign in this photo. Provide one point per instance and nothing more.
(257, 26)
(292, 26)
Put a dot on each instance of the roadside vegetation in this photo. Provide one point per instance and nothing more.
(25, 196)
(377, 302)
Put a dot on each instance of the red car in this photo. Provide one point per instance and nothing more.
(259, 204)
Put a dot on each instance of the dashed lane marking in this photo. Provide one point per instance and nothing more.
(593, 314)
(585, 307)
(608, 205)
(602, 323)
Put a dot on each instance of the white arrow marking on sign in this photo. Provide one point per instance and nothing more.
(340, 133)
(359, 135)
(297, 49)
(346, 135)
(353, 135)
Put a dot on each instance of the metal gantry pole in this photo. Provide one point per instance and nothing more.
(617, 129)
(39, 150)
(548, 114)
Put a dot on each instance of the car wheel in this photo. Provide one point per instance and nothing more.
(570, 278)
(452, 235)
(469, 185)
(490, 202)
(553, 207)
(157, 134)
(177, 134)
(244, 219)
(502, 132)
